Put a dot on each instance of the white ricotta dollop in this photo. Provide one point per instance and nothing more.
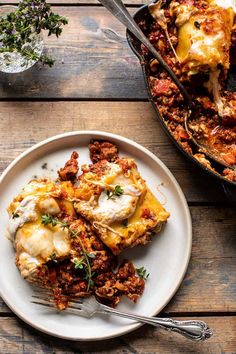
(118, 207)
(24, 213)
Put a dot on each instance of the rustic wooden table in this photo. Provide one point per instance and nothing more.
(97, 83)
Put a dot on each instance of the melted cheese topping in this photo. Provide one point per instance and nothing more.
(109, 209)
(225, 109)
(37, 243)
(34, 242)
(182, 12)
(109, 215)
(204, 39)
(137, 225)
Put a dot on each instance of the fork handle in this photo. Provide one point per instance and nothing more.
(118, 9)
(193, 329)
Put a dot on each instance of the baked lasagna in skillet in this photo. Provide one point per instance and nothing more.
(197, 38)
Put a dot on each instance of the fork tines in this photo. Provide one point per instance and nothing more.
(44, 297)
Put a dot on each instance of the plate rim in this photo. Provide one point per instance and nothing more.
(104, 135)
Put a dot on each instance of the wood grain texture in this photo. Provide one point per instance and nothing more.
(92, 61)
(134, 120)
(209, 285)
(17, 337)
(82, 2)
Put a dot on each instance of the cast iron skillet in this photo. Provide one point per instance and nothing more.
(228, 186)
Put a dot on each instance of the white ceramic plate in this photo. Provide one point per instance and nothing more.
(166, 257)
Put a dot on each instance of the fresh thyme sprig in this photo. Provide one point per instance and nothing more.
(117, 192)
(50, 220)
(18, 28)
(53, 257)
(84, 263)
(142, 272)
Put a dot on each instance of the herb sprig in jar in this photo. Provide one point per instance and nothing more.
(19, 28)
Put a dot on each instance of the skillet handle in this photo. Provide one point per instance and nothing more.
(230, 192)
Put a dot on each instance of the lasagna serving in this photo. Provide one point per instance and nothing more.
(67, 233)
(197, 38)
(115, 199)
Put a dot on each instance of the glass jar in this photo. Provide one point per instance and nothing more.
(14, 62)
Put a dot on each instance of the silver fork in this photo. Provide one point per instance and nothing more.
(88, 307)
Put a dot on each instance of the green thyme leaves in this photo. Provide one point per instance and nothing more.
(84, 262)
(74, 233)
(142, 272)
(50, 220)
(79, 263)
(117, 192)
(91, 255)
(53, 256)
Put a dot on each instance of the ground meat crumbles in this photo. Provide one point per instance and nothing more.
(70, 170)
(103, 150)
(68, 279)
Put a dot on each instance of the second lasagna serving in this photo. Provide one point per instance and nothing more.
(113, 196)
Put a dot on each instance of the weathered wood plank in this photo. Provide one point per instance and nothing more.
(209, 285)
(92, 61)
(133, 120)
(150, 340)
(16, 337)
(82, 2)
